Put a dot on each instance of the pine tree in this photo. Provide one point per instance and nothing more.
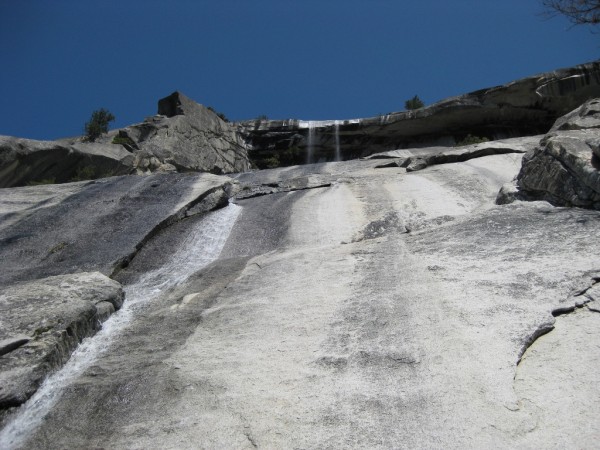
(414, 103)
(98, 124)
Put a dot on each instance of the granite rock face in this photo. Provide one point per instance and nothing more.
(354, 307)
(58, 245)
(27, 161)
(186, 136)
(525, 107)
(43, 321)
(565, 168)
(97, 225)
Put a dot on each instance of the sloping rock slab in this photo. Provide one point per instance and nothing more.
(24, 161)
(95, 226)
(43, 321)
(564, 169)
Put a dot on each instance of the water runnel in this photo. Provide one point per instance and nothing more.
(201, 247)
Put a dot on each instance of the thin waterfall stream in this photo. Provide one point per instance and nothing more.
(311, 142)
(201, 247)
(338, 155)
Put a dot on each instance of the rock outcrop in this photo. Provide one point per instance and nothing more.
(525, 107)
(418, 159)
(186, 136)
(43, 321)
(183, 137)
(27, 161)
(564, 168)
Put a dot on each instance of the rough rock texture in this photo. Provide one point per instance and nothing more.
(25, 161)
(351, 307)
(555, 364)
(77, 227)
(97, 225)
(525, 107)
(565, 168)
(186, 136)
(43, 321)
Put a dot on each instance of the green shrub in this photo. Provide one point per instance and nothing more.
(122, 140)
(272, 162)
(84, 173)
(291, 156)
(98, 124)
(471, 140)
(414, 103)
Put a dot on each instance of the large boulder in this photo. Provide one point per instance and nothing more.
(564, 168)
(43, 321)
(27, 161)
(188, 137)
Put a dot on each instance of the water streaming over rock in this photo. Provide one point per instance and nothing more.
(311, 142)
(202, 246)
(338, 156)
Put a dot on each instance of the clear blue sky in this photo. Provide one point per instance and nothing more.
(305, 59)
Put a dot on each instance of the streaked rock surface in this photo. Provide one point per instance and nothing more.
(74, 231)
(353, 307)
(95, 225)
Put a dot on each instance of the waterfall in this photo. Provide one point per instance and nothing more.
(201, 247)
(311, 142)
(338, 155)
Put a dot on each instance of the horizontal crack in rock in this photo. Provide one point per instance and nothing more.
(274, 188)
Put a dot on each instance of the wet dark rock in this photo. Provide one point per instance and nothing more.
(8, 344)
(250, 190)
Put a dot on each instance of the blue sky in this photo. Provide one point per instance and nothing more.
(304, 59)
